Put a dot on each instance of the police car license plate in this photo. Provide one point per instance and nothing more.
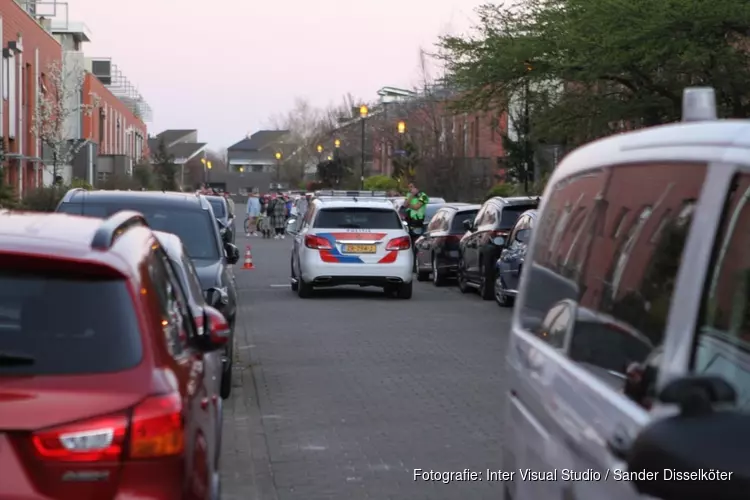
(360, 248)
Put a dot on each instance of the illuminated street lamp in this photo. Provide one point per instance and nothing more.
(363, 114)
(330, 158)
(337, 143)
(278, 168)
(401, 127)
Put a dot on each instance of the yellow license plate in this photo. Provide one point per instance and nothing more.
(360, 248)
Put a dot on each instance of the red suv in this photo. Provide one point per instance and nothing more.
(103, 392)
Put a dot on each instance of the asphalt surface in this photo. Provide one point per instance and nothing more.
(344, 395)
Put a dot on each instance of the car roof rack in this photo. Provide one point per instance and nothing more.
(333, 193)
(114, 226)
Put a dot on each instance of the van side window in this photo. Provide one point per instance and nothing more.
(614, 260)
(723, 337)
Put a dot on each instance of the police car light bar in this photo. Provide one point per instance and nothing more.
(350, 194)
(699, 104)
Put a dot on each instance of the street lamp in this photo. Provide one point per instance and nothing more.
(329, 158)
(363, 114)
(401, 127)
(337, 143)
(320, 149)
(278, 168)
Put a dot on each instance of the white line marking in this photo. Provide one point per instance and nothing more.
(281, 286)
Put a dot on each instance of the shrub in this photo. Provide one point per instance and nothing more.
(380, 183)
(43, 199)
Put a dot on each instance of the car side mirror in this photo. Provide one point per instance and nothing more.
(468, 225)
(499, 241)
(664, 453)
(405, 224)
(232, 252)
(291, 225)
(216, 297)
(216, 331)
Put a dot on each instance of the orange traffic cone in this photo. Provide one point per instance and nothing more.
(248, 259)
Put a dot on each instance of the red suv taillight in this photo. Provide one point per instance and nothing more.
(156, 430)
(402, 243)
(317, 243)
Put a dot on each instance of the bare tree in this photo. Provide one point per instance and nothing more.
(59, 103)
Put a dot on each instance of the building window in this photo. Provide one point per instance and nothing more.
(257, 168)
(103, 176)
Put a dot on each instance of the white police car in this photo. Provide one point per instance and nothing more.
(351, 238)
(629, 353)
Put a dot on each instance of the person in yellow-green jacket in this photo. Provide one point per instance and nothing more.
(416, 206)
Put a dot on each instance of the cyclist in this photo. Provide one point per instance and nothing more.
(416, 206)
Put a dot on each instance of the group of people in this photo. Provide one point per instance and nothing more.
(268, 213)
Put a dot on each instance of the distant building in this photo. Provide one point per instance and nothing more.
(183, 145)
(255, 158)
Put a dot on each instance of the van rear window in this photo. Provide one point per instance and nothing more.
(358, 218)
(66, 325)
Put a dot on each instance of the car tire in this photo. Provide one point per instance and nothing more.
(304, 290)
(500, 297)
(438, 278)
(463, 284)
(405, 290)
(226, 382)
(295, 280)
(486, 284)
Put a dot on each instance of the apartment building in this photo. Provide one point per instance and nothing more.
(108, 126)
(28, 48)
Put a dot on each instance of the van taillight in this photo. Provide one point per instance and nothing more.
(96, 440)
(156, 430)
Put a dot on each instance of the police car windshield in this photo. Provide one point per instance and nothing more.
(358, 218)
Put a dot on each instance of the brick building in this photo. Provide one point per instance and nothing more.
(461, 155)
(28, 48)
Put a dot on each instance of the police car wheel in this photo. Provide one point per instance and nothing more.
(404, 291)
(304, 290)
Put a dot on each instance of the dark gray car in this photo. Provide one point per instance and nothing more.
(190, 217)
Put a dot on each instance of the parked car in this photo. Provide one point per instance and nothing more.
(648, 232)
(197, 300)
(512, 257)
(484, 240)
(225, 217)
(351, 239)
(437, 249)
(104, 394)
(189, 216)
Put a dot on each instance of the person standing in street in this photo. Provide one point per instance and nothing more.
(416, 208)
(277, 213)
(253, 212)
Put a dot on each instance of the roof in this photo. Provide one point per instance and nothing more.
(137, 197)
(461, 206)
(726, 141)
(184, 151)
(259, 140)
(351, 203)
(515, 200)
(171, 136)
(63, 236)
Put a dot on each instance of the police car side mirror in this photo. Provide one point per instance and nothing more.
(663, 460)
(405, 224)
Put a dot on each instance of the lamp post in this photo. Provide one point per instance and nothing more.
(278, 169)
(401, 127)
(526, 128)
(205, 172)
(319, 148)
(363, 113)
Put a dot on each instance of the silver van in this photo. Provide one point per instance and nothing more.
(629, 356)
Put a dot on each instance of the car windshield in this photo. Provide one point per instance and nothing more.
(358, 218)
(218, 206)
(66, 324)
(511, 213)
(195, 227)
(431, 210)
(457, 226)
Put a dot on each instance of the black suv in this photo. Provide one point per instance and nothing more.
(484, 240)
(190, 217)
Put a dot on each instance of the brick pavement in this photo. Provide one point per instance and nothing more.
(351, 396)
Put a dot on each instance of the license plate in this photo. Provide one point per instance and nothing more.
(360, 249)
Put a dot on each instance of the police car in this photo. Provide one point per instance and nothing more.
(351, 238)
(629, 353)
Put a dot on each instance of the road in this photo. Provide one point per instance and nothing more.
(343, 395)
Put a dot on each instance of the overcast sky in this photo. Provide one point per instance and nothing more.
(225, 66)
